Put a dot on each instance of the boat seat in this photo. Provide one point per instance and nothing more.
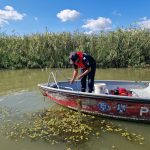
(142, 92)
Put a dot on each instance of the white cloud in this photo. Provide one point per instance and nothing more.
(8, 14)
(100, 24)
(144, 23)
(68, 15)
(9, 8)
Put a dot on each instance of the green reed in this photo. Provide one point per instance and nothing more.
(115, 49)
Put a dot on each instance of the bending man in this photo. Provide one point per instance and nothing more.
(88, 69)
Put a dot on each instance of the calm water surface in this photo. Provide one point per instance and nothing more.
(19, 92)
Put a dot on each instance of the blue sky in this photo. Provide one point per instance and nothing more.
(34, 16)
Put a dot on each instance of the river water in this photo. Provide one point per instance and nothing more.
(20, 94)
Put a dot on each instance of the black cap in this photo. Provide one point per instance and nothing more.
(73, 57)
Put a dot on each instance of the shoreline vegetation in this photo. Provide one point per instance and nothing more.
(115, 49)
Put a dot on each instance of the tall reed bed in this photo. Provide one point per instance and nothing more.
(120, 48)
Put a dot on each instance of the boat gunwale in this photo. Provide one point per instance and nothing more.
(94, 95)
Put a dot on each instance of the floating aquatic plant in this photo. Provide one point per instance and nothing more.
(64, 125)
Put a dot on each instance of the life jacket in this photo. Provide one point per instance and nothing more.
(80, 57)
(121, 91)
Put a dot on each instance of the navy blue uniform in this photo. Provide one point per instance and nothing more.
(88, 62)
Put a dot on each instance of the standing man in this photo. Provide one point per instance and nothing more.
(88, 69)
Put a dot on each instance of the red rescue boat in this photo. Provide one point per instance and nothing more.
(128, 100)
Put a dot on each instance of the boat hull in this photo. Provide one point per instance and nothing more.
(121, 107)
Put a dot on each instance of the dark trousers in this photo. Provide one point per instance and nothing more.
(90, 77)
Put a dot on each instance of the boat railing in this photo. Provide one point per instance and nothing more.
(54, 78)
(54, 75)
